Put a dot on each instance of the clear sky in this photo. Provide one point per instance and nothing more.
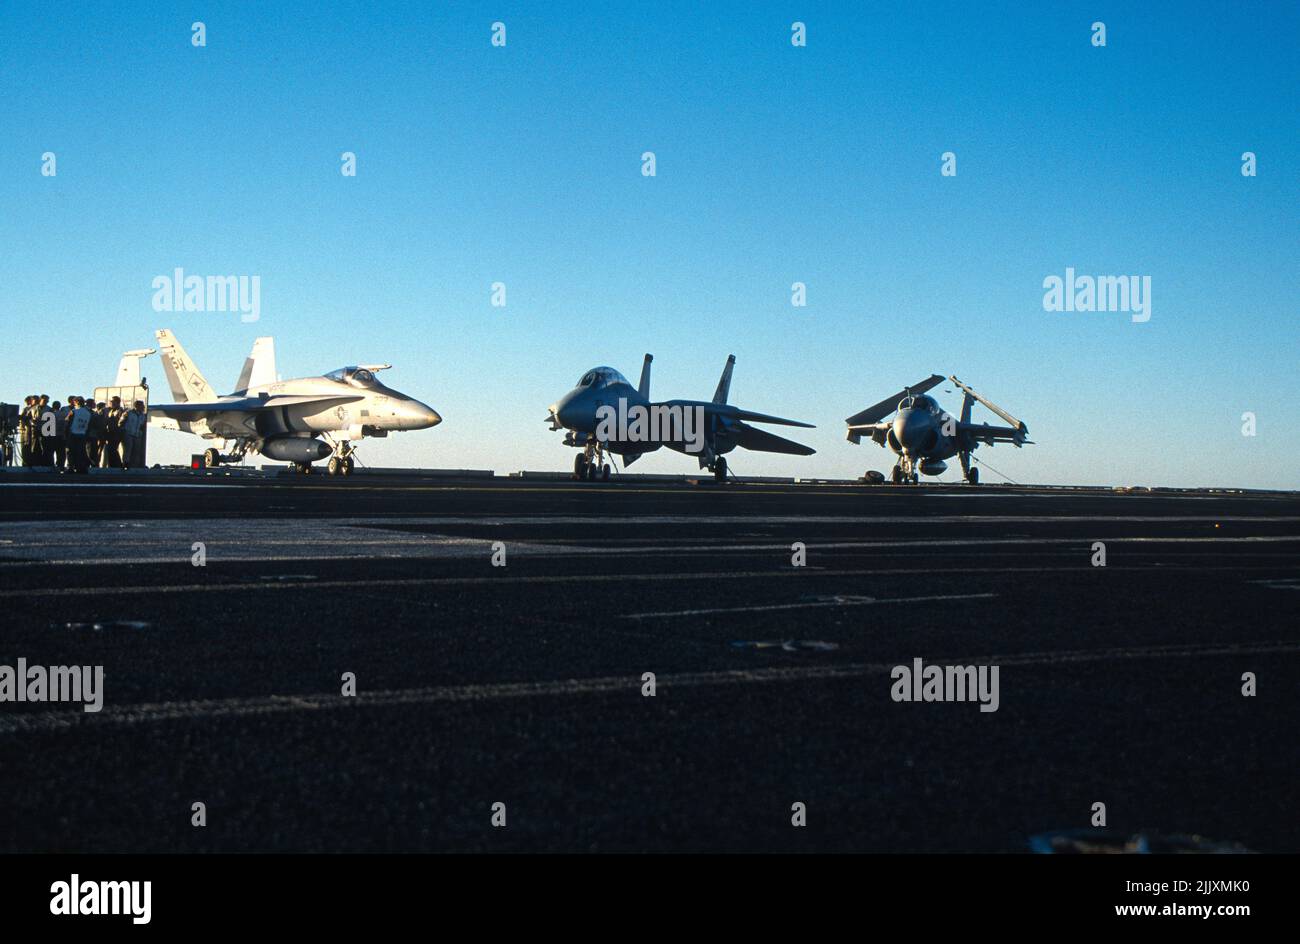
(775, 164)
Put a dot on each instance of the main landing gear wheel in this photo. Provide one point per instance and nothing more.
(211, 458)
(720, 470)
(347, 466)
(604, 473)
(973, 476)
(334, 465)
(915, 478)
(579, 467)
(896, 476)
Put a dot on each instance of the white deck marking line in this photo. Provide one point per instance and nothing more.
(687, 519)
(843, 600)
(681, 487)
(1282, 583)
(595, 578)
(435, 546)
(629, 685)
(398, 582)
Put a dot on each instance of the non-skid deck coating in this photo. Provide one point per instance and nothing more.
(522, 684)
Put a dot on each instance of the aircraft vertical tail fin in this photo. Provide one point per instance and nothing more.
(259, 366)
(724, 382)
(128, 371)
(643, 387)
(188, 385)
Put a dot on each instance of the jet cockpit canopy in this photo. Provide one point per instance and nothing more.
(601, 376)
(929, 404)
(355, 376)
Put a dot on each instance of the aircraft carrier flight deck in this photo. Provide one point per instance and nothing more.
(501, 634)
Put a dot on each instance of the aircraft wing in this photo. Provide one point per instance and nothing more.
(765, 418)
(873, 431)
(225, 408)
(736, 413)
(760, 440)
(983, 432)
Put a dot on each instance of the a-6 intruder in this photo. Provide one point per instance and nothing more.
(922, 434)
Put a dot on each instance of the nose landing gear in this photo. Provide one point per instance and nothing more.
(590, 464)
(341, 461)
(904, 473)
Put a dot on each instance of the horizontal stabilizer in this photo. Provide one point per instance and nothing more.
(760, 440)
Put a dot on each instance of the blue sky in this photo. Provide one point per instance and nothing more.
(775, 164)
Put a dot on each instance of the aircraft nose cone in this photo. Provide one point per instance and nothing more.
(912, 429)
(568, 412)
(417, 415)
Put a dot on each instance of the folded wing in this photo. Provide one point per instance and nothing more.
(879, 411)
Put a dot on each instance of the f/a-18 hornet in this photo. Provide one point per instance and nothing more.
(922, 434)
(606, 414)
(281, 419)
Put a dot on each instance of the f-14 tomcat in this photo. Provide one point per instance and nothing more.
(604, 414)
(281, 419)
(922, 434)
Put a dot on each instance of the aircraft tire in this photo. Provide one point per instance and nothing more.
(579, 467)
(604, 473)
(974, 477)
(334, 465)
(211, 458)
(897, 476)
(346, 468)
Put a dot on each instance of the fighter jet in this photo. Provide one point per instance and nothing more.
(282, 419)
(604, 413)
(923, 435)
